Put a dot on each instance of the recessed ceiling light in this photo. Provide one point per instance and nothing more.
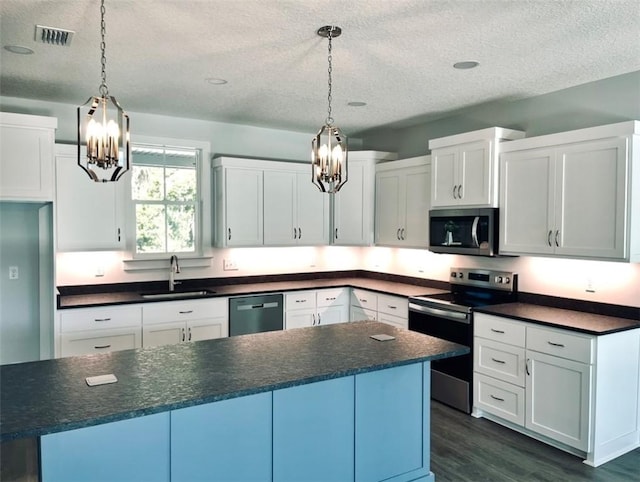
(470, 64)
(215, 81)
(18, 49)
(356, 104)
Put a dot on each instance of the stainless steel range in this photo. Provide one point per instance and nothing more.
(450, 316)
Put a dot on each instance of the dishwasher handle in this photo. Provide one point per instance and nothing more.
(261, 306)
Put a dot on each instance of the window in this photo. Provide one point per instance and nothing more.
(164, 191)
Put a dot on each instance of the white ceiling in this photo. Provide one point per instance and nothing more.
(395, 55)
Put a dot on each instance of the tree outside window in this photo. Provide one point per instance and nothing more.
(164, 190)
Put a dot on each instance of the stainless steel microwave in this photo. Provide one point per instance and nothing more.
(471, 231)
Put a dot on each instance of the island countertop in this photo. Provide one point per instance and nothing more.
(49, 396)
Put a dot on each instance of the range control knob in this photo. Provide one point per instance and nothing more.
(499, 279)
(507, 279)
(460, 275)
(454, 275)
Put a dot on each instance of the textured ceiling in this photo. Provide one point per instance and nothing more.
(395, 55)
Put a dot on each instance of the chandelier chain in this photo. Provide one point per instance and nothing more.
(329, 57)
(104, 90)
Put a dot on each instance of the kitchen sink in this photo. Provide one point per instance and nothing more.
(173, 295)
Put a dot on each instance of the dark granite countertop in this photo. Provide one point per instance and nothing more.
(50, 396)
(130, 293)
(590, 323)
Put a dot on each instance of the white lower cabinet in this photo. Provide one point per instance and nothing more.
(99, 330)
(316, 307)
(575, 391)
(367, 305)
(173, 322)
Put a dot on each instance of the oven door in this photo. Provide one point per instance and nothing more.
(451, 378)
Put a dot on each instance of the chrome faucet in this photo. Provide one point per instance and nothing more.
(174, 268)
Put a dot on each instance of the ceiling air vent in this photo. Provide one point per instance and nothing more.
(53, 36)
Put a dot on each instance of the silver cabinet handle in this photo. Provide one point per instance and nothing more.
(557, 234)
(549, 238)
(497, 398)
(118, 234)
(299, 233)
(526, 367)
(559, 345)
(402, 234)
(295, 234)
(398, 234)
(361, 300)
(497, 331)
(330, 299)
(314, 320)
(101, 347)
(183, 337)
(392, 307)
(460, 194)
(229, 236)
(189, 333)
(336, 233)
(502, 362)
(185, 312)
(454, 192)
(101, 319)
(301, 301)
(319, 319)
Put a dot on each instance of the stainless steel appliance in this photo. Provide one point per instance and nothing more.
(450, 316)
(255, 314)
(464, 231)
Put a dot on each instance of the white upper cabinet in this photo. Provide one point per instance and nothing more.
(267, 203)
(26, 157)
(402, 202)
(464, 168)
(353, 205)
(89, 215)
(572, 194)
(295, 211)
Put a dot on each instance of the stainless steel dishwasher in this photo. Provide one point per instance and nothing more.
(255, 314)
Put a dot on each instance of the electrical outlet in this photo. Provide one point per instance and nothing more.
(99, 271)
(590, 288)
(229, 265)
(13, 272)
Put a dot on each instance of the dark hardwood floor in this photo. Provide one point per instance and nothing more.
(467, 449)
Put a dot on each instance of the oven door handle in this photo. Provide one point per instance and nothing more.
(474, 231)
(449, 315)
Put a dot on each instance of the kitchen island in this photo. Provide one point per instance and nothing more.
(322, 403)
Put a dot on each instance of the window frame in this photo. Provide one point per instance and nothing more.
(202, 190)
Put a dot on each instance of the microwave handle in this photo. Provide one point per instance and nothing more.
(474, 231)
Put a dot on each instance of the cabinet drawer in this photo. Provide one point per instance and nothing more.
(499, 329)
(300, 300)
(80, 319)
(562, 343)
(393, 305)
(499, 398)
(333, 296)
(365, 299)
(169, 311)
(499, 360)
(87, 342)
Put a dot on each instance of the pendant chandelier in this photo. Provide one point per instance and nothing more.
(329, 146)
(103, 128)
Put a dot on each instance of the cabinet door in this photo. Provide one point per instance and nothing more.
(208, 329)
(313, 432)
(444, 170)
(300, 318)
(243, 205)
(352, 211)
(526, 201)
(228, 441)
(279, 208)
(558, 399)
(312, 213)
(417, 201)
(99, 341)
(389, 210)
(164, 334)
(89, 214)
(26, 162)
(130, 450)
(475, 174)
(361, 314)
(591, 199)
(329, 315)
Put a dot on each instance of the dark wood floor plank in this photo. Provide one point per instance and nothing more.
(466, 449)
